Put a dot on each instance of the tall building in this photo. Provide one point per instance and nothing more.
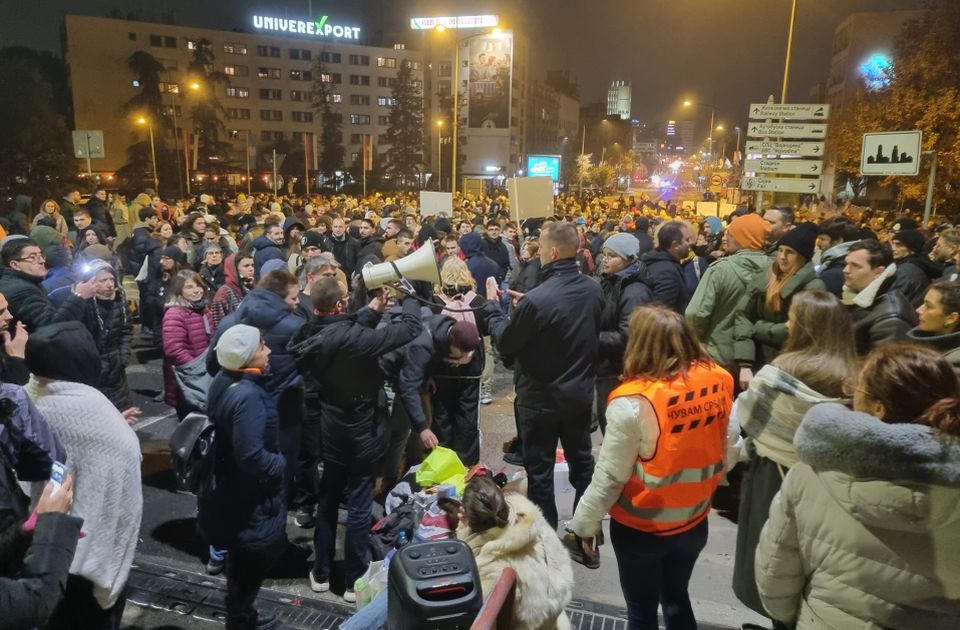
(863, 53)
(543, 126)
(267, 98)
(618, 99)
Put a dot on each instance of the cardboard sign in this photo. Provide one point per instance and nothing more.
(530, 197)
(434, 203)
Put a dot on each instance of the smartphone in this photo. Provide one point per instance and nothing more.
(58, 474)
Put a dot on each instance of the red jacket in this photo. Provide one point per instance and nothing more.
(186, 335)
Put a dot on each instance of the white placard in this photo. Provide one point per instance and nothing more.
(530, 197)
(784, 167)
(769, 147)
(891, 153)
(789, 111)
(434, 203)
(786, 130)
(774, 184)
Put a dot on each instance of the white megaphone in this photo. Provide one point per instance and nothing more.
(420, 265)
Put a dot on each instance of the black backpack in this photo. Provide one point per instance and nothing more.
(193, 450)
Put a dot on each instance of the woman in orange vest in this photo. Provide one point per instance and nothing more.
(661, 460)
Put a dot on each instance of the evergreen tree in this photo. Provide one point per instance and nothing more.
(405, 134)
(331, 137)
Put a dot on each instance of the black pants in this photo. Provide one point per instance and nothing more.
(308, 462)
(246, 571)
(605, 385)
(354, 484)
(290, 409)
(456, 417)
(655, 571)
(540, 432)
(80, 611)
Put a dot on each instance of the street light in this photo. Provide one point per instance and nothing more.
(439, 157)
(143, 120)
(194, 85)
(713, 111)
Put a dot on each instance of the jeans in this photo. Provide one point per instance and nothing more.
(341, 480)
(373, 616)
(246, 571)
(540, 431)
(655, 571)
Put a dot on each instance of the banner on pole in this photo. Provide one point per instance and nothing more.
(367, 152)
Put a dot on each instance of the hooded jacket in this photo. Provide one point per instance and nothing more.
(664, 275)
(496, 250)
(480, 265)
(269, 312)
(28, 302)
(529, 546)
(948, 345)
(831, 267)
(228, 296)
(712, 310)
(264, 250)
(865, 528)
(914, 275)
(759, 332)
(622, 292)
(370, 246)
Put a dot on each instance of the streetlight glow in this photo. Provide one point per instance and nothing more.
(439, 28)
(141, 120)
(195, 85)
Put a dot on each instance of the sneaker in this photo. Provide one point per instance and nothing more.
(485, 398)
(572, 542)
(319, 586)
(305, 518)
(513, 458)
(350, 595)
(266, 619)
(215, 566)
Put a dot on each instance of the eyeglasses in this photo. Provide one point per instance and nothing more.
(37, 257)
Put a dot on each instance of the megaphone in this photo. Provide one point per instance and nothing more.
(420, 265)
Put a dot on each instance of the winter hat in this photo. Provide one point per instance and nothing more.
(905, 223)
(623, 245)
(173, 252)
(64, 352)
(911, 239)
(642, 224)
(292, 222)
(98, 252)
(464, 335)
(57, 257)
(443, 224)
(750, 231)
(89, 269)
(716, 225)
(802, 238)
(45, 236)
(311, 238)
(272, 265)
(237, 346)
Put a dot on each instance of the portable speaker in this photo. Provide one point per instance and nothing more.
(433, 586)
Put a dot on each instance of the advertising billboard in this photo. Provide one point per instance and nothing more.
(488, 89)
(544, 166)
(459, 21)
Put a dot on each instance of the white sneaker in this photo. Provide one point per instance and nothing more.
(485, 398)
(350, 595)
(319, 587)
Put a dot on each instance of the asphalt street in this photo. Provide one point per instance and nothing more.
(169, 537)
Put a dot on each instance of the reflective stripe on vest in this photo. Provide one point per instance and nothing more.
(671, 492)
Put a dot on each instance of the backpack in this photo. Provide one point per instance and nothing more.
(193, 453)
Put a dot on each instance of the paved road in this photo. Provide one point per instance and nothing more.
(168, 531)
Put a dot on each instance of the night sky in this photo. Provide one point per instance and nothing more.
(728, 51)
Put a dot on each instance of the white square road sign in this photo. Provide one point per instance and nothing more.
(891, 153)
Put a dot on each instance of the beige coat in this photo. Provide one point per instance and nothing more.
(865, 531)
(530, 547)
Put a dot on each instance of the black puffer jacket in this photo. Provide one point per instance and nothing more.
(112, 326)
(28, 302)
(142, 243)
(552, 335)
(344, 250)
(914, 275)
(622, 292)
(341, 352)
(664, 275)
(888, 319)
(527, 276)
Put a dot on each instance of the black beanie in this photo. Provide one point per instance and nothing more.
(64, 352)
(911, 239)
(802, 238)
(175, 253)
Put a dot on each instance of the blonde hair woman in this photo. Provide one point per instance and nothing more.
(50, 208)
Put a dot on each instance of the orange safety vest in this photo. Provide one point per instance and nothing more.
(671, 492)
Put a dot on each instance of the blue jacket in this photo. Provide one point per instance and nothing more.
(264, 250)
(246, 510)
(267, 311)
(480, 265)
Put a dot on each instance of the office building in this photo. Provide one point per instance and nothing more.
(618, 99)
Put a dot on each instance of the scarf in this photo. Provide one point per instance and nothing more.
(865, 298)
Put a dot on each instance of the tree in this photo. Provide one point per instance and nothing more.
(207, 112)
(922, 91)
(148, 103)
(581, 172)
(331, 137)
(602, 175)
(37, 155)
(405, 133)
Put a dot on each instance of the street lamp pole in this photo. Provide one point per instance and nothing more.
(176, 142)
(786, 66)
(439, 157)
(143, 120)
(713, 112)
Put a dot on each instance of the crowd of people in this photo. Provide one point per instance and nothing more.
(818, 352)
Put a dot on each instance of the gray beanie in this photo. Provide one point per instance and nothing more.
(624, 245)
(237, 346)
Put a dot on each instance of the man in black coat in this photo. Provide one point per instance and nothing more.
(642, 234)
(143, 241)
(100, 212)
(23, 271)
(662, 269)
(370, 244)
(496, 250)
(340, 351)
(552, 338)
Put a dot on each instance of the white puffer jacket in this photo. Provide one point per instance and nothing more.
(865, 531)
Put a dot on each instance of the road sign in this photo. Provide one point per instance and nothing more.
(766, 147)
(88, 143)
(788, 111)
(716, 180)
(891, 153)
(784, 167)
(774, 184)
(645, 147)
(786, 130)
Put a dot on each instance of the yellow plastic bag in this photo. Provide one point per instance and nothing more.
(442, 466)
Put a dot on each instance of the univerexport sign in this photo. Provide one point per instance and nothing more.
(317, 28)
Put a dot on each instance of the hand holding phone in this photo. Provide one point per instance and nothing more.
(57, 496)
(58, 474)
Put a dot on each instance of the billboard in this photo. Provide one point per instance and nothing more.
(544, 166)
(490, 62)
(459, 21)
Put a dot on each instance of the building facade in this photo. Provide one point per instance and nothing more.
(268, 95)
(619, 97)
